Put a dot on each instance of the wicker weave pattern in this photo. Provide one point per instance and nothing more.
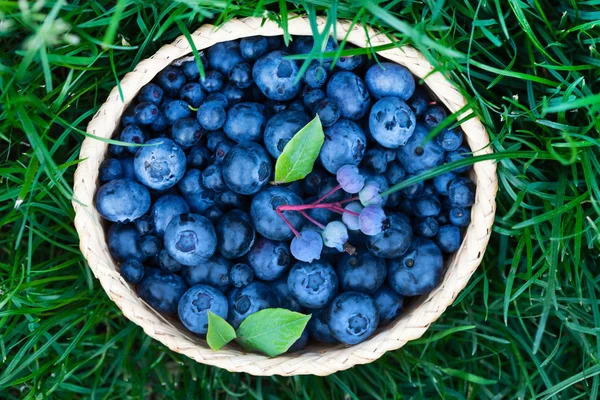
(316, 359)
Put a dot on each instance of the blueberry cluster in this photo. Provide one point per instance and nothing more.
(197, 226)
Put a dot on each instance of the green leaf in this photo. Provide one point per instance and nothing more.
(272, 331)
(219, 332)
(297, 159)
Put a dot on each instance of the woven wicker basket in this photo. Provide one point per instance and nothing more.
(315, 359)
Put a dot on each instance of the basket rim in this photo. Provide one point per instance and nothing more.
(316, 359)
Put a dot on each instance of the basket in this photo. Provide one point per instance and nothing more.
(316, 359)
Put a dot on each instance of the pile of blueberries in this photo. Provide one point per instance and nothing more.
(197, 225)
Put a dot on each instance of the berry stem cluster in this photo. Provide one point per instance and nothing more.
(301, 208)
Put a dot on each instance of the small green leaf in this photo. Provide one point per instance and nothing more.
(272, 331)
(297, 159)
(219, 332)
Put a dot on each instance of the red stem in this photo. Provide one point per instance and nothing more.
(349, 200)
(326, 195)
(280, 213)
(311, 219)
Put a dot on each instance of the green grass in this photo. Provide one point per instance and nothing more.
(526, 326)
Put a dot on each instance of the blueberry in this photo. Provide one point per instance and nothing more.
(322, 215)
(241, 75)
(247, 168)
(265, 218)
(241, 275)
(224, 55)
(198, 197)
(375, 160)
(211, 116)
(198, 157)
(313, 181)
(161, 166)
(426, 206)
(307, 246)
(311, 97)
(313, 285)
(167, 262)
(460, 217)
(229, 200)
(448, 238)
(175, 110)
(461, 192)
(295, 106)
(362, 273)
(213, 213)
(427, 227)
(302, 44)
(315, 75)
(160, 124)
(110, 169)
(122, 200)
(251, 48)
(248, 300)
(214, 138)
(327, 110)
(390, 79)
(370, 194)
(352, 317)
(133, 134)
(344, 143)
(269, 259)
(217, 98)
(413, 191)
(283, 295)
(118, 151)
(419, 101)
(419, 155)
(450, 139)
(150, 93)
(150, 245)
(391, 122)
(300, 343)
(195, 304)
(350, 220)
(212, 178)
(245, 122)
(235, 234)
(335, 235)
(162, 290)
(276, 77)
(433, 116)
(190, 239)
(128, 117)
(132, 271)
(145, 113)
(233, 94)
(171, 80)
(212, 82)
(395, 238)
(192, 94)
(318, 328)
(441, 182)
(456, 155)
(394, 173)
(326, 186)
(165, 209)
(281, 128)
(388, 303)
(372, 220)
(418, 271)
(190, 68)
(213, 271)
(350, 94)
(186, 132)
(144, 225)
(124, 243)
(349, 63)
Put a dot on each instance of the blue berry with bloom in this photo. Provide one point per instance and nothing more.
(350, 178)
(307, 246)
